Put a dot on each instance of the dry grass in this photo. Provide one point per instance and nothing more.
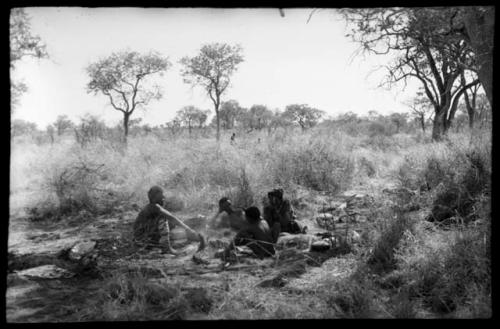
(426, 271)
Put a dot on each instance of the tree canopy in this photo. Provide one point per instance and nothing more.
(122, 78)
(212, 69)
(303, 114)
(428, 46)
(22, 44)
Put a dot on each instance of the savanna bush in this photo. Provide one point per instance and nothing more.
(449, 274)
(382, 257)
(317, 164)
(132, 296)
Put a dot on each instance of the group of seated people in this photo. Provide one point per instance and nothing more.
(257, 233)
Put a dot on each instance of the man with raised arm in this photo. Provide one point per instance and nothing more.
(154, 221)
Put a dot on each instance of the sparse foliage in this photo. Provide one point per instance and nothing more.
(90, 129)
(21, 127)
(62, 124)
(304, 115)
(122, 77)
(257, 117)
(230, 112)
(428, 48)
(22, 44)
(212, 69)
(191, 116)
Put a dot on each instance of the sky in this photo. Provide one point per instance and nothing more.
(287, 60)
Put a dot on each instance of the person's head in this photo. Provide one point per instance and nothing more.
(275, 196)
(252, 214)
(224, 204)
(155, 195)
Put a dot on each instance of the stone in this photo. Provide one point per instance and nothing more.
(298, 241)
(81, 249)
(325, 216)
(355, 237)
(322, 245)
(46, 272)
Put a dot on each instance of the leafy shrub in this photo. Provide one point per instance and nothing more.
(318, 166)
(382, 257)
(243, 197)
(132, 296)
(352, 299)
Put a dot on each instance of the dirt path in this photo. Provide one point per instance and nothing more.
(38, 300)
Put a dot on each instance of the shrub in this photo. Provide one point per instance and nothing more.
(352, 298)
(382, 257)
(319, 166)
(132, 296)
(243, 197)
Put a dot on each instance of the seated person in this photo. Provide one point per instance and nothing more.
(280, 216)
(229, 216)
(154, 221)
(256, 235)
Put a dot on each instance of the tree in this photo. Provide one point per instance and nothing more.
(399, 120)
(277, 120)
(90, 129)
(470, 102)
(122, 77)
(21, 127)
(202, 118)
(174, 126)
(212, 69)
(50, 132)
(420, 107)
(305, 116)
(257, 117)
(479, 33)
(190, 115)
(22, 44)
(62, 124)
(427, 47)
(229, 112)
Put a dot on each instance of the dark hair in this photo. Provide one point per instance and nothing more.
(223, 200)
(252, 214)
(277, 192)
(153, 192)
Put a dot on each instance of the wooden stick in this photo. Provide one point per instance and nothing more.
(175, 219)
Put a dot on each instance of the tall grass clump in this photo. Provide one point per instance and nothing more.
(455, 175)
(382, 257)
(317, 164)
(130, 295)
(449, 273)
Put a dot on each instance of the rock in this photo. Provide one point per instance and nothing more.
(299, 241)
(46, 272)
(325, 216)
(322, 245)
(81, 250)
(355, 237)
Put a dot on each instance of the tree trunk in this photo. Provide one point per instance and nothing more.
(126, 118)
(480, 26)
(217, 135)
(470, 109)
(440, 124)
(422, 122)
